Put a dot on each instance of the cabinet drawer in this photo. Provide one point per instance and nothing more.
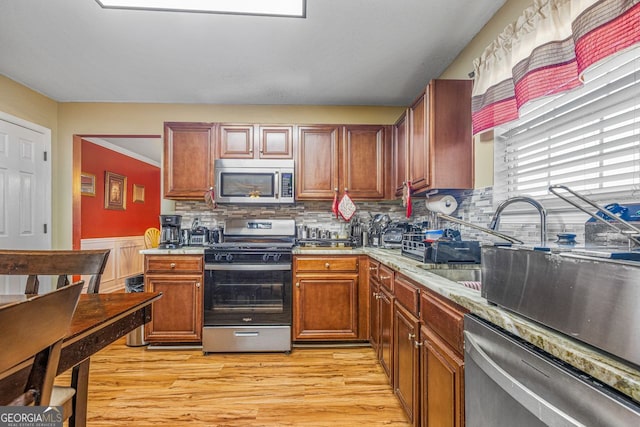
(407, 294)
(173, 263)
(385, 276)
(374, 270)
(443, 319)
(324, 264)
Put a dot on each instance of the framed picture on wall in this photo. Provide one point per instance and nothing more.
(115, 191)
(87, 184)
(138, 193)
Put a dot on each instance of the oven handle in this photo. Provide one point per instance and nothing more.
(535, 404)
(245, 267)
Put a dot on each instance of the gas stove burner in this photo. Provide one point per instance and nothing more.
(251, 246)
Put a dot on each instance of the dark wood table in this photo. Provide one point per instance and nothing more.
(99, 320)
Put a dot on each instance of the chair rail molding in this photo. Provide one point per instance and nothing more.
(125, 259)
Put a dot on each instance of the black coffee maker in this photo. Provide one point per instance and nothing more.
(170, 231)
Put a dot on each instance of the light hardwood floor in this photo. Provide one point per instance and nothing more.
(310, 387)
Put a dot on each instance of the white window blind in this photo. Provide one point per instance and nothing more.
(587, 139)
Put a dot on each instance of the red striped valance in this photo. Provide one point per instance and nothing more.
(546, 51)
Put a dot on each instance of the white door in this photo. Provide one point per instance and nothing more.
(25, 193)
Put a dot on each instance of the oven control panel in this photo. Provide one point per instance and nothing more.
(246, 257)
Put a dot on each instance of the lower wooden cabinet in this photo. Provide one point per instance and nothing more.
(326, 308)
(420, 346)
(405, 361)
(385, 352)
(374, 314)
(177, 316)
(329, 302)
(441, 361)
(442, 383)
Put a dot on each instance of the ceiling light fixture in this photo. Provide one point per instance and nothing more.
(286, 8)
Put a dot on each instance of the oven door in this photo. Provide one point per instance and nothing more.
(241, 294)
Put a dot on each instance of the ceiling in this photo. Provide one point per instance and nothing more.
(345, 52)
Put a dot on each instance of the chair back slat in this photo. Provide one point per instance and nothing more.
(55, 263)
(32, 334)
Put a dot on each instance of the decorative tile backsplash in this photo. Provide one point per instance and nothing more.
(474, 206)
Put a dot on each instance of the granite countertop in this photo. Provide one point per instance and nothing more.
(620, 376)
(185, 250)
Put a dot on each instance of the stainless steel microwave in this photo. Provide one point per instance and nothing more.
(254, 181)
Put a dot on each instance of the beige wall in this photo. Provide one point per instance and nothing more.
(463, 65)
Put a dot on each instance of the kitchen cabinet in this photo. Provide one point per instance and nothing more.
(441, 362)
(177, 316)
(329, 302)
(374, 306)
(188, 160)
(255, 141)
(440, 154)
(406, 347)
(385, 310)
(353, 157)
(400, 147)
(385, 354)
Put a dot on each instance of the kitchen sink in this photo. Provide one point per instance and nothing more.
(586, 296)
(465, 274)
(458, 275)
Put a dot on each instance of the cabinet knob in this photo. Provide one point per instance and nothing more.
(411, 336)
(327, 265)
(385, 277)
(172, 265)
(297, 284)
(417, 344)
(197, 284)
(373, 268)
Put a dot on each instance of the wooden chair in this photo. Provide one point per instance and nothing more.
(54, 263)
(32, 334)
(151, 238)
(61, 263)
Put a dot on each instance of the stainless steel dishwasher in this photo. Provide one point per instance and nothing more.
(510, 382)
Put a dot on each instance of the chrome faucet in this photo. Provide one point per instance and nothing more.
(495, 221)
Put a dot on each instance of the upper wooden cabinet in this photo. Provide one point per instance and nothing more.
(317, 162)
(188, 159)
(248, 141)
(440, 154)
(353, 157)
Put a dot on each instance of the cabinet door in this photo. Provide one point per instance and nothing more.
(405, 361)
(317, 167)
(235, 142)
(374, 314)
(275, 142)
(450, 138)
(418, 147)
(385, 354)
(326, 307)
(362, 156)
(188, 160)
(442, 383)
(177, 316)
(400, 153)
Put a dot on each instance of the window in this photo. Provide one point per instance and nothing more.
(587, 139)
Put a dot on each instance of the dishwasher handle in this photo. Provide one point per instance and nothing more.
(534, 403)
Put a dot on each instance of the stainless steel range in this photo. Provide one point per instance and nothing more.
(248, 284)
